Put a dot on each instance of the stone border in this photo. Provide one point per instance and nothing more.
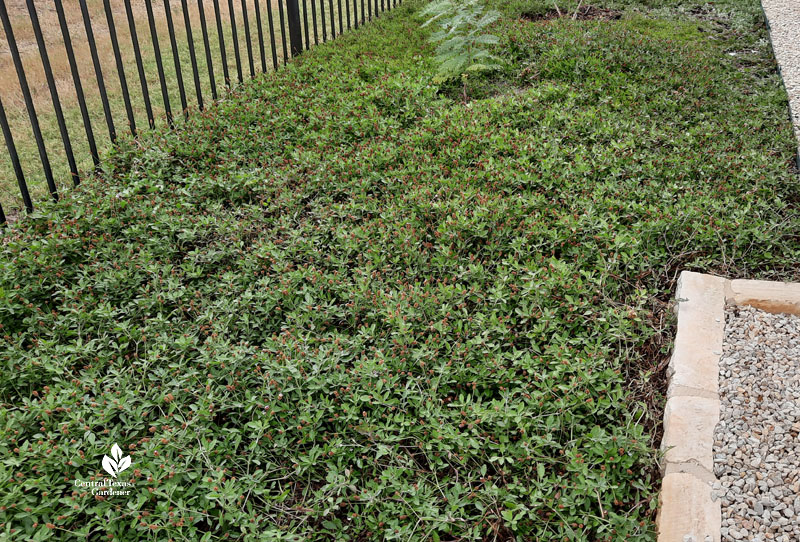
(687, 512)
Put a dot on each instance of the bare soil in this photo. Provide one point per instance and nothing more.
(584, 13)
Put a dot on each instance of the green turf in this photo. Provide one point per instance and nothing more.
(345, 305)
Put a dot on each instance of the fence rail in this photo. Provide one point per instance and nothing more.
(292, 24)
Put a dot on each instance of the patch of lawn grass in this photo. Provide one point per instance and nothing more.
(344, 305)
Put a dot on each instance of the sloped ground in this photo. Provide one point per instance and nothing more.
(345, 306)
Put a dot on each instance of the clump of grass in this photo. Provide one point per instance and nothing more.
(340, 305)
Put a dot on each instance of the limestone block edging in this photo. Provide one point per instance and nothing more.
(687, 512)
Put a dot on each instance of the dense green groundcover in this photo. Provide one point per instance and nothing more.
(345, 305)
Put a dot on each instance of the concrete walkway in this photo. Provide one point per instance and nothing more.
(783, 19)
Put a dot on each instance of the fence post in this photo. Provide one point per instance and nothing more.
(26, 94)
(48, 72)
(98, 70)
(12, 153)
(295, 33)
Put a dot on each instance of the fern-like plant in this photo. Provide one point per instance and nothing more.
(463, 42)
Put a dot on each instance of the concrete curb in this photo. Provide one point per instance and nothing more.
(687, 513)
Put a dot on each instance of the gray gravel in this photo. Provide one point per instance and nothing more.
(784, 29)
(756, 446)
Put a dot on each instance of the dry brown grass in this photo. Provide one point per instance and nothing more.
(26, 42)
(23, 32)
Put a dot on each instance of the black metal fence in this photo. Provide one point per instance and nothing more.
(303, 28)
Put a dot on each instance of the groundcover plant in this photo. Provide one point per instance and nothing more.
(346, 303)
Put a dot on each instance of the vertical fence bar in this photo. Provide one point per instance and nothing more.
(272, 35)
(235, 38)
(249, 45)
(98, 70)
(369, 6)
(12, 153)
(347, 4)
(176, 58)
(137, 54)
(192, 55)
(207, 48)
(333, 20)
(51, 84)
(355, 14)
(123, 82)
(283, 32)
(324, 25)
(26, 94)
(314, 20)
(377, 12)
(76, 80)
(295, 30)
(221, 37)
(363, 14)
(341, 26)
(305, 24)
(159, 64)
(260, 35)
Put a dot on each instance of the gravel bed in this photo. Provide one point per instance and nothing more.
(756, 446)
(784, 29)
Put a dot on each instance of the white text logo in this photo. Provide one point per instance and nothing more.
(118, 464)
